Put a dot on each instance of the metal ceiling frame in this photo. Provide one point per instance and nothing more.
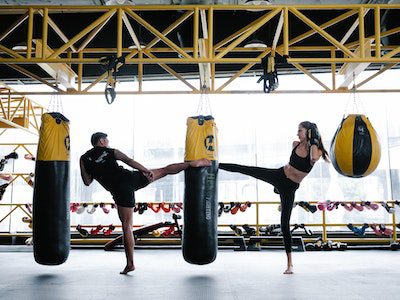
(216, 52)
(18, 111)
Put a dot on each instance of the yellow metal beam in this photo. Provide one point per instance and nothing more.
(11, 9)
(157, 33)
(243, 70)
(286, 31)
(57, 30)
(361, 15)
(93, 34)
(216, 51)
(44, 32)
(10, 52)
(245, 35)
(140, 72)
(14, 25)
(234, 35)
(385, 68)
(148, 46)
(301, 68)
(31, 75)
(388, 58)
(173, 73)
(322, 32)
(196, 33)
(83, 32)
(377, 26)
(14, 125)
(29, 34)
(119, 32)
(170, 28)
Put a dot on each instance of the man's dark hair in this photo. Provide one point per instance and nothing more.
(96, 137)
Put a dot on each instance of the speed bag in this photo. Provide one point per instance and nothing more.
(355, 149)
(51, 221)
(200, 229)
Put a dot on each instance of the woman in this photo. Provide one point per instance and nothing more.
(286, 180)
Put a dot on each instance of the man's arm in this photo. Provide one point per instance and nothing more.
(87, 179)
(134, 164)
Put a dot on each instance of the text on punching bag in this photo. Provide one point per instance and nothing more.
(209, 193)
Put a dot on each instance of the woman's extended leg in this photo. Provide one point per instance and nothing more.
(271, 176)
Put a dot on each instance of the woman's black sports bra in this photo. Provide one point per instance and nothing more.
(302, 164)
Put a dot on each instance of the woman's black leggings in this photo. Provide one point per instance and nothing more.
(284, 185)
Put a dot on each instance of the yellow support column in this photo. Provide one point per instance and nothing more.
(44, 31)
(196, 33)
(210, 25)
(361, 31)
(324, 234)
(80, 72)
(377, 23)
(285, 31)
(119, 32)
(29, 34)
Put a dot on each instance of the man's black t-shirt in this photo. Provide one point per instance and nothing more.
(101, 164)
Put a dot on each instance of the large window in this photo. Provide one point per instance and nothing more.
(254, 129)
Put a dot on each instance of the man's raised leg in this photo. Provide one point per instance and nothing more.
(176, 168)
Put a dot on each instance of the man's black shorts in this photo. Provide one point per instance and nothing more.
(124, 193)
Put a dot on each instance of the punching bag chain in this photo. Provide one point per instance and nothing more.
(357, 106)
(55, 103)
(204, 107)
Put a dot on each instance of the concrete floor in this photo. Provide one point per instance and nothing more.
(163, 274)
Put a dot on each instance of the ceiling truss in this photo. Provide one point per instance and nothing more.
(205, 51)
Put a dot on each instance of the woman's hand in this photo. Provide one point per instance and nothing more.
(313, 135)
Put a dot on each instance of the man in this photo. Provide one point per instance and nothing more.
(100, 163)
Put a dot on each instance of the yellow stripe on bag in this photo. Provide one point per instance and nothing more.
(54, 140)
(201, 138)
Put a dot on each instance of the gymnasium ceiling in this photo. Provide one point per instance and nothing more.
(334, 50)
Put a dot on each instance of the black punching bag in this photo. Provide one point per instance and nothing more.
(51, 233)
(200, 228)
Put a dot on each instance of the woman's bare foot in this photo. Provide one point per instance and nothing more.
(289, 270)
(204, 162)
(127, 270)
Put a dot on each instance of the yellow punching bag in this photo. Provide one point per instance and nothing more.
(355, 148)
(51, 220)
(200, 234)
(201, 138)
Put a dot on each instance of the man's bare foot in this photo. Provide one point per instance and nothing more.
(289, 270)
(127, 270)
(204, 162)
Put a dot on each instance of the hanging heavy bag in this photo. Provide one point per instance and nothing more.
(200, 233)
(355, 149)
(51, 233)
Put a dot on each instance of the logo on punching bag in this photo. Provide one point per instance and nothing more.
(360, 130)
(67, 142)
(209, 143)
